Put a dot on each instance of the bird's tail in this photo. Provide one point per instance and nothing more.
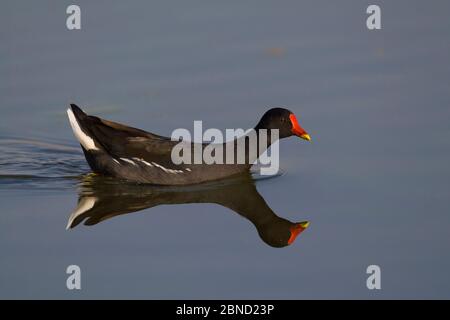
(78, 120)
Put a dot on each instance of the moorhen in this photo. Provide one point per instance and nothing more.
(116, 150)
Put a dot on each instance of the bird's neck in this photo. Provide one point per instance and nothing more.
(254, 143)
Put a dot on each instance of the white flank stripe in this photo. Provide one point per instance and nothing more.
(143, 161)
(115, 160)
(147, 163)
(129, 161)
(86, 141)
(163, 168)
(187, 169)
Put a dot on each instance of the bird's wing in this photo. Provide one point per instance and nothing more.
(125, 142)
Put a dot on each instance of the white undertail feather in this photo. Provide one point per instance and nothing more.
(85, 204)
(86, 141)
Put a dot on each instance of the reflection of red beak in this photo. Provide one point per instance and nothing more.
(296, 229)
(297, 130)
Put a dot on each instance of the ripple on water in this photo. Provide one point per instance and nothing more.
(32, 164)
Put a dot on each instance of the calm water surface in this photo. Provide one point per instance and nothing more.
(374, 182)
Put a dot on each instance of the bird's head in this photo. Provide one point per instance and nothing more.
(281, 232)
(283, 120)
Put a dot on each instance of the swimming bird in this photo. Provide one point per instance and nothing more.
(117, 150)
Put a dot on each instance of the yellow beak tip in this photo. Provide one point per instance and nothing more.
(306, 137)
(304, 224)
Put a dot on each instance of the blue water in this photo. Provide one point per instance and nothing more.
(374, 182)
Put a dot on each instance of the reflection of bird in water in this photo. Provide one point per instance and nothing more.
(102, 198)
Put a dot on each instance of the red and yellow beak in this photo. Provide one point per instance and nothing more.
(296, 229)
(297, 130)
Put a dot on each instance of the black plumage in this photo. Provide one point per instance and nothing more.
(116, 150)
